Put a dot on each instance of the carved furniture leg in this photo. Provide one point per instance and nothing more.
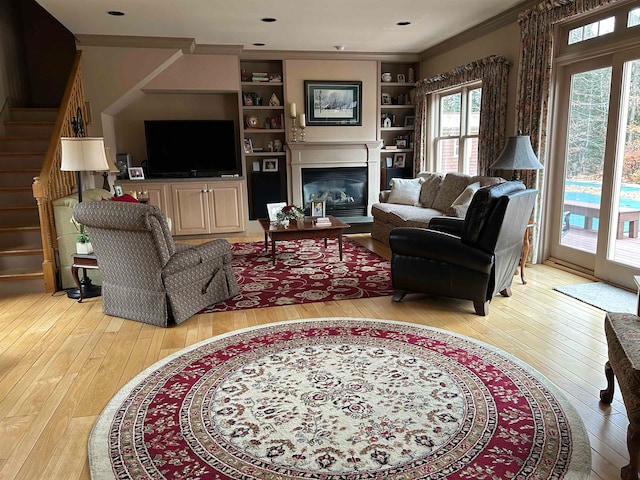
(630, 472)
(606, 395)
(506, 292)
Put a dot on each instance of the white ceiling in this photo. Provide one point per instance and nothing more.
(310, 25)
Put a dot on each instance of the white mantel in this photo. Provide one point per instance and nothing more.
(334, 155)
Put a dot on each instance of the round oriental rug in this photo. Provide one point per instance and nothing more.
(339, 399)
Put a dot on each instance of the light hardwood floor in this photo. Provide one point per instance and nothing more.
(61, 361)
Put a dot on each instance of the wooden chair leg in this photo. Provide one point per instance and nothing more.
(506, 292)
(398, 295)
(481, 308)
(630, 472)
(606, 395)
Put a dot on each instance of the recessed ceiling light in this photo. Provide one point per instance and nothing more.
(116, 13)
(402, 24)
(268, 19)
(259, 44)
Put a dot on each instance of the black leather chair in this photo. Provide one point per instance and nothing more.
(472, 258)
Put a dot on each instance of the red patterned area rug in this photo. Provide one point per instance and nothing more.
(305, 272)
(339, 399)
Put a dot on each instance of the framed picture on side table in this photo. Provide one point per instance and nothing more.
(317, 209)
(136, 173)
(273, 209)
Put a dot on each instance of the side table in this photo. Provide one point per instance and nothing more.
(85, 289)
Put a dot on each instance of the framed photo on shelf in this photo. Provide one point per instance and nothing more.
(117, 190)
(273, 209)
(269, 165)
(386, 99)
(409, 121)
(256, 166)
(136, 173)
(317, 208)
(401, 78)
(248, 145)
(389, 162)
(399, 160)
(401, 143)
(333, 103)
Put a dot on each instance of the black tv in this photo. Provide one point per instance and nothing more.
(191, 148)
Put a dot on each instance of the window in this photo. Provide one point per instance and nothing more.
(633, 19)
(456, 117)
(592, 30)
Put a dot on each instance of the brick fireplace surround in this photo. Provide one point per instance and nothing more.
(334, 155)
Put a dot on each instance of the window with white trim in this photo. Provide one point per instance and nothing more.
(456, 119)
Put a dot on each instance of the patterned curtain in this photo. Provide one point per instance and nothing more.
(494, 73)
(534, 76)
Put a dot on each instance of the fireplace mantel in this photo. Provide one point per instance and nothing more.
(334, 155)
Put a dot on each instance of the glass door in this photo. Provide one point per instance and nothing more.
(595, 224)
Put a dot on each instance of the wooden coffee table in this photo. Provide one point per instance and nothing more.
(296, 232)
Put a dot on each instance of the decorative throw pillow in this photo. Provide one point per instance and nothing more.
(405, 191)
(461, 204)
(452, 186)
(125, 198)
(430, 187)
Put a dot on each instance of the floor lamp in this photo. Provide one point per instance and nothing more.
(83, 154)
(517, 155)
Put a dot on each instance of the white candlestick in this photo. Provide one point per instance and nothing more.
(293, 110)
(303, 120)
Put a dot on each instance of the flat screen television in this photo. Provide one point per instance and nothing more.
(191, 148)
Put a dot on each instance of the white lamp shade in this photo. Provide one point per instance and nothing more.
(112, 164)
(517, 155)
(83, 154)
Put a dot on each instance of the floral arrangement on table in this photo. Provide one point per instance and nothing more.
(290, 212)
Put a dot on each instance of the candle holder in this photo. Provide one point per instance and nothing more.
(302, 134)
(294, 129)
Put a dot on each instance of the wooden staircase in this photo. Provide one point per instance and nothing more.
(22, 153)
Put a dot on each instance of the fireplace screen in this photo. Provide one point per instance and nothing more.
(343, 190)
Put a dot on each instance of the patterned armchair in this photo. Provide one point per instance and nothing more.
(146, 276)
(623, 337)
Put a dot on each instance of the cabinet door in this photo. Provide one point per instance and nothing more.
(190, 208)
(156, 193)
(227, 212)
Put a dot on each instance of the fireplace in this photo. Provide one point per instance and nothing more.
(343, 190)
(352, 166)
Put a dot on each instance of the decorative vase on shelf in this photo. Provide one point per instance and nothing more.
(84, 248)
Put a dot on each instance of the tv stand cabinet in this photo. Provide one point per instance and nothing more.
(196, 206)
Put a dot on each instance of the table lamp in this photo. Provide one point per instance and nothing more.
(517, 155)
(112, 169)
(83, 154)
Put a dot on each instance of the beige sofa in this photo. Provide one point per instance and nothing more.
(414, 202)
(67, 234)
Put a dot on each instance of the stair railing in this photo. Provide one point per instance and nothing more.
(53, 183)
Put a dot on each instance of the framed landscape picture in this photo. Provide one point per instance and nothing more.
(333, 103)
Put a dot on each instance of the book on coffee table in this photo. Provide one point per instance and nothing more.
(323, 222)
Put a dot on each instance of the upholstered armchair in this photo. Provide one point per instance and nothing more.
(472, 258)
(623, 340)
(145, 275)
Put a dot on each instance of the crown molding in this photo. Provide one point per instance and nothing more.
(327, 55)
(187, 45)
(501, 20)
